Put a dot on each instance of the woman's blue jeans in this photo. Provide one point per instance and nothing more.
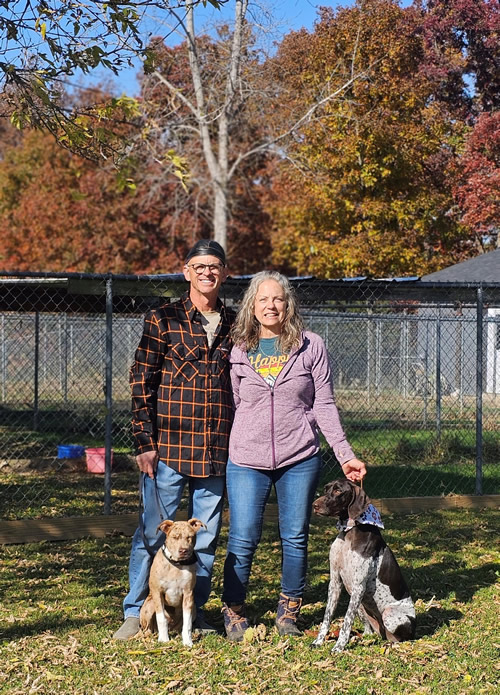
(248, 490)
(160, 502)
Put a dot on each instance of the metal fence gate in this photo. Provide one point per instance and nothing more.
(416, 371)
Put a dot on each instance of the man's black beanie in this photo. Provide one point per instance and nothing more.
(207, 247)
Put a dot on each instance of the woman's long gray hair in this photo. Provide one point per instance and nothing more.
(246, 329)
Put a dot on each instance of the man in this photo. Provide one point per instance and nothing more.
(181, 418)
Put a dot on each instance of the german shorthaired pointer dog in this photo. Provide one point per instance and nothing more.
(360, 558)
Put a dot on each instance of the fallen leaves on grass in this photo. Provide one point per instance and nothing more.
(69, 650)
(257, 633)
(333, 634)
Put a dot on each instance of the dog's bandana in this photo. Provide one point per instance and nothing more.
(370, 516)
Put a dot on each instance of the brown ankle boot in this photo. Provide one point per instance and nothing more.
(235, 622)
(287, 614)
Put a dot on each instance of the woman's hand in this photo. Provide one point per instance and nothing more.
(354, 470)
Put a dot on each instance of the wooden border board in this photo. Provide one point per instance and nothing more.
(70, 528)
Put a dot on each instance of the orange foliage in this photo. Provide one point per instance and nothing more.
(370, 192)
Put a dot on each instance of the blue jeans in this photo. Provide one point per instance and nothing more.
(206, 496)
(248, 491)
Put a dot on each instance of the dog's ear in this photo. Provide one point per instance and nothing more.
(165, 526)
(196, 524)
(359, 502)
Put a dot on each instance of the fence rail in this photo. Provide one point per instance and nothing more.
(416, 370)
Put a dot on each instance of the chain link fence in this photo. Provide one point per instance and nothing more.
(416, 369)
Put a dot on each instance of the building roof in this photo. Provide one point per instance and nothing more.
(483, 268)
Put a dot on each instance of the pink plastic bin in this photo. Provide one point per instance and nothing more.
(96, 458)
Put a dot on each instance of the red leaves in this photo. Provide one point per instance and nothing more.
(478, 187)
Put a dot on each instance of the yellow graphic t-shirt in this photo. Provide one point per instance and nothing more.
(267, 360)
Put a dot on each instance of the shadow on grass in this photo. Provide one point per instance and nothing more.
(67, 492)
(423, 480)
(427, 623)
(443, 556)
(53, 623)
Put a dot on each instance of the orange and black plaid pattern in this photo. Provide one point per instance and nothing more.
(181, 392)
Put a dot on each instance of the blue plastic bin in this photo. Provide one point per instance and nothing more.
(70, 451)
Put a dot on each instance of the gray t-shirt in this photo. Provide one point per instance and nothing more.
(210, 321)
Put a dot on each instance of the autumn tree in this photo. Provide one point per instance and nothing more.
(46, 42)
(461, 41)
(210, 120)
(62, 212)
(55, 212)
(477, 186)
(201, 131)
(372, 196)
(200, 126)
(462, 55)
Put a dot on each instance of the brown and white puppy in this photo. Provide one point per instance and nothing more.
(362, 561)
(170, 602)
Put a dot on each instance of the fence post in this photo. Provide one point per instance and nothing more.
(65, 343)
(459, 369)
(426, 372)
(438, 378)
(370, 345)
(479, 392)
(3, 344)
(36, 385)
(378, 356)
(108, 440)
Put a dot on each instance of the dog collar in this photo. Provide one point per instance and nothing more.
(188, 561)
(370, 516)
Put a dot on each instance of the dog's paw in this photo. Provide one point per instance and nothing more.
(317, 643)
(187, 643)
(163, 639)
(338, 648)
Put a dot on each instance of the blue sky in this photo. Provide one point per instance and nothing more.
(286, 15)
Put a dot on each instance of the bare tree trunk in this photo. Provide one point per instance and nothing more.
(221, 214)
(214, 121)
(200, 112)
(218, 164)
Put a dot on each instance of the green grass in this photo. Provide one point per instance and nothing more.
(404, 459)
(396, 437)
(420, 447)
(62, 601)
(404, 463)
(65, 493)
(411, 465)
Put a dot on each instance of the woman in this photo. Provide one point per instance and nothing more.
(282, 393)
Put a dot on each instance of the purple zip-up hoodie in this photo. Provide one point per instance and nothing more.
(275, 427)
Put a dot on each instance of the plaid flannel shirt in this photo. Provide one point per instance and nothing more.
(181, 391)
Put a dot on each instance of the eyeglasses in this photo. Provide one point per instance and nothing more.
(199, 268)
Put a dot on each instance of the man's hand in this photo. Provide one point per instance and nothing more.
(354, 470)
(147, 462)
